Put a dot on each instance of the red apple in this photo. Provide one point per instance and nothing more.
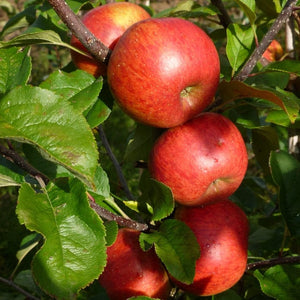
(202, 161)
(132, 272)
(274, 51)
(163, 72)
(221, 230)
(107, 22)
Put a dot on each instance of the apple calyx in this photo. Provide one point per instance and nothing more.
(217, 186)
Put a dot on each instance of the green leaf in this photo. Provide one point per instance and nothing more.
(140, 145)
(111, 229)
(234, 90)
(284, 66)
(248, 6)
(264, 140)
(177, 247)
(39, 117)
(185, 5)
(280, 282)
(157, 195)
(76, 5)
(101, 181)
(44, 37)
(10, 174)
(102, 108)
(246, 115)
(97, 114)
(19, 21)
(25, 280)
(268, 7)
(285, 170)
(263, 241)
(279, 117)
(47, 21)
(15, 66)
(79, 87)
(239, 44)
(47, 167)
(27, 244)
(74, 252)
(272, 79)
(188, 9)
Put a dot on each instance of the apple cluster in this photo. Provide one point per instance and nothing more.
(164, 72)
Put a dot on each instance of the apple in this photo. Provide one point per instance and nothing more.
(202, 161)
(107, 22)
(132, 272)
(221, 230)
(274, 51)
(163, 72)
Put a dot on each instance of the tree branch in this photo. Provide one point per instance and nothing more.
(21, 163)
(267, 39)
(223, 16)
(43, 180)
(19, 289)
(273, 262)
(98, 50)
(123, 222)
(115, 162)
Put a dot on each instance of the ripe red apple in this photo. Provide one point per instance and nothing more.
(107, 22)
(221, 230)
(163, 72)
(132, 272)
(202, 161)
(274, 51)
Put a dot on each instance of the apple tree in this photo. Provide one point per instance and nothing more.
(74, 166)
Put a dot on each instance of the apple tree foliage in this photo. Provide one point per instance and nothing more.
(54, 155)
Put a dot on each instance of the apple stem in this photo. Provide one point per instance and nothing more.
(98, 50)
(267, 39)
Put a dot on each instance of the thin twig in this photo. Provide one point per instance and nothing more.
(21, 163)
(98, 50)
(273, 262)
(223, 16)
(267, 39)
(18, 288)
(115, 162)
(123, 222)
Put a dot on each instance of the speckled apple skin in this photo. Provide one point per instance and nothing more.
(221, 230)
(163, 72)
(132, 272)
(107, 22)
(202, 161)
